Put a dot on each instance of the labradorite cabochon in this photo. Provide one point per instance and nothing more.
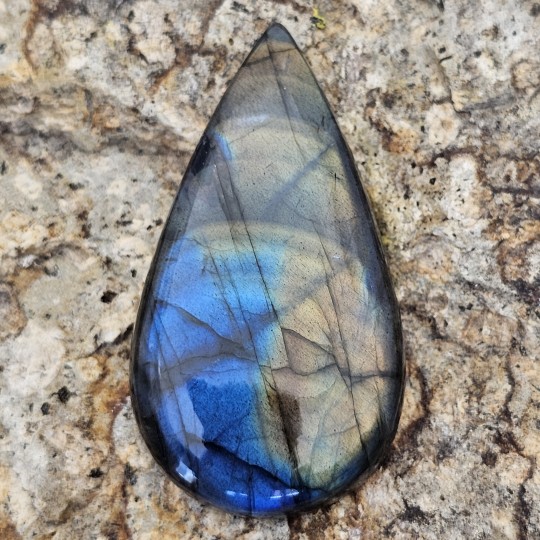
(267, 371)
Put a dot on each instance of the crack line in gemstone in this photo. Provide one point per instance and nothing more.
(281, 92)
(293, 182)
(343, 343)
(166, 370)
(228, 214)
(292, 449)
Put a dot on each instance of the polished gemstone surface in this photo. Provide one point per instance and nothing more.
(267, 370)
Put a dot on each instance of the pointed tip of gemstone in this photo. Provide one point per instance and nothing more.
(278, 32)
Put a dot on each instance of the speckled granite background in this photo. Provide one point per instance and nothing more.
(101, 105)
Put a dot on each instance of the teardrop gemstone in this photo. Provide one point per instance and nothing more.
(267, 371)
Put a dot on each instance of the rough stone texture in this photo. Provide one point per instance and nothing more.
(101, 105)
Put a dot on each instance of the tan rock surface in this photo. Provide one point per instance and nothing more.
(101, 105)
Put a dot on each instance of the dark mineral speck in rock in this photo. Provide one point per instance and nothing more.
(64, 394)
(267, 372)
(129, 474)
(96, 473)
(108, 296)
